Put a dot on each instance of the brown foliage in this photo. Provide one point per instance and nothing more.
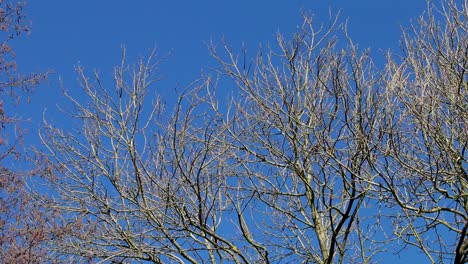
(23, 223)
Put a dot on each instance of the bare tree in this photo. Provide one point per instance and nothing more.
(138, 182)
(316, 146)
(281, 178)
(425, 165)
(306, 127)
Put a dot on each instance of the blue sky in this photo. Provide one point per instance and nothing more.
(91, 33)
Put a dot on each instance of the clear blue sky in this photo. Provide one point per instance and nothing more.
(90, 33)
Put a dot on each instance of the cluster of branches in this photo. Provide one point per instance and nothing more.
(320, 156)
(23, 225)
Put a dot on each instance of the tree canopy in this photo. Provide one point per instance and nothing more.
(317, 155)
